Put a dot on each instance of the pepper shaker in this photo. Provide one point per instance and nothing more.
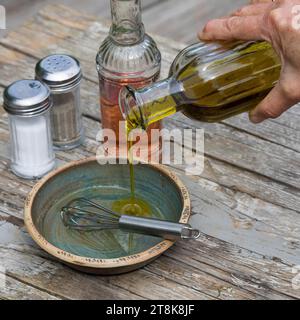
(28, 104)
(62, 73)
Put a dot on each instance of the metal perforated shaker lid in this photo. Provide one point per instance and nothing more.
(59, 71)
(27, 98)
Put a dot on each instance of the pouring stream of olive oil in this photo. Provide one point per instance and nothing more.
(133, 205)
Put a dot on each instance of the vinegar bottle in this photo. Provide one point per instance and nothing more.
(208, 82)
(128, 56)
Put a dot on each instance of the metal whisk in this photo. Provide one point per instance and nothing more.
(85, 215)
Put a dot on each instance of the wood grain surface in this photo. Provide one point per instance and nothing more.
(246, 202)
(192, 14)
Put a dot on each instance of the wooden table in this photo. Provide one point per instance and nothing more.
(246, 203)
(192, 14)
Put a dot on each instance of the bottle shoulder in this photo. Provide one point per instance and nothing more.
(208, 53)
(142, 59)
(189, 53)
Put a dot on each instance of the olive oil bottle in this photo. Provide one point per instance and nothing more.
(208, 82)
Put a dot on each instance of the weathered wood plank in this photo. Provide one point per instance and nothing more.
(23, 9)
(290, 119)
(16, 290)
(258, 187)
(192, 15)
(271, 131)
(273, 275)
(197, 273)
(25, 262)
(191, 279)
(57, 279)
(245, 221)
(246, 151)
(57, 36)
(181, 20)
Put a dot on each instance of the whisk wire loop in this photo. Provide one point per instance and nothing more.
(84, 214)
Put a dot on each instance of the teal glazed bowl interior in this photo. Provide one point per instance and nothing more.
(109, 251)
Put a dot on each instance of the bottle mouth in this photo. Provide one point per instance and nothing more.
(126, 101)
(130, 107)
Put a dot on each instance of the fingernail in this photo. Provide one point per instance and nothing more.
(255, 118)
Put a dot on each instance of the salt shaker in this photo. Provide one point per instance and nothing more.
(28, 104)
(62, 73)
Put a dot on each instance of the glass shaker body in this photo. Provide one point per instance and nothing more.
(62, 74)
(28, 104)
(66, 119)
(127, 56)
(32, 153)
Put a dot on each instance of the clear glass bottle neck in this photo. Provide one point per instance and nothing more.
(153, 103)
(127, 27)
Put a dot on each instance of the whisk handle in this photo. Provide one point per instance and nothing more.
(167, 230)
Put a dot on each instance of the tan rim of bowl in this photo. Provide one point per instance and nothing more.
(70, 258)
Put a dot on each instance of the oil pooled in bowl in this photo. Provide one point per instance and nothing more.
(133, 207)
(104, 244)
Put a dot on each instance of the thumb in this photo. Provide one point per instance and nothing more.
(275, 103)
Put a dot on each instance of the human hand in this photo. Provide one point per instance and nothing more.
(278, 23)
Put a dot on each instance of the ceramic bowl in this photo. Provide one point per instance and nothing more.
(111, 251)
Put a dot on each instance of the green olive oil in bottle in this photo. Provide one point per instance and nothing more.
(208, 82)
